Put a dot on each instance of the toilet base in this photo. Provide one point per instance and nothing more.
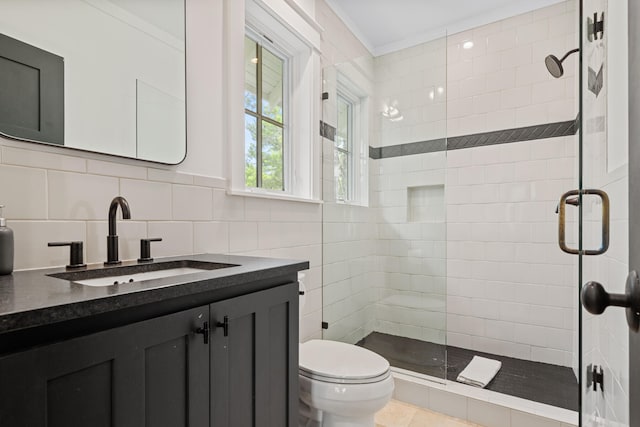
(333, 420)
(318, 419)
(309, 417)
(307, 422)
(342, 405)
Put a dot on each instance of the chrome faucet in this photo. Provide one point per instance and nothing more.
(112, 238)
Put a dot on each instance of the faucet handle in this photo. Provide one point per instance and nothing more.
(145, 249)
(76, 257)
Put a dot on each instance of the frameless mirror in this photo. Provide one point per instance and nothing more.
(98, 75)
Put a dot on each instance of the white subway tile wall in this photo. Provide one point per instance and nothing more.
(350, 286)
(191, 203)
(53, 197)
(36, 159)
(413, 81)
(75, 196)
(99, 167)
(510, 288)
(21, 181)
(502, 82)
(409, 202)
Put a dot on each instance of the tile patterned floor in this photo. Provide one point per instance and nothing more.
(400, 414)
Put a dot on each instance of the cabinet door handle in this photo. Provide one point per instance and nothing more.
(224, 325)
(204, 331)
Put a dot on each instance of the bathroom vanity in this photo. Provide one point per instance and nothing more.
(217, 347)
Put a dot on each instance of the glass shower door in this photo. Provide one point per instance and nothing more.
(384, 243)
(408, 196)
(605, 226)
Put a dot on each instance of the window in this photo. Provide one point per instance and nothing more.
(265, 124)
(351, 143)
(343, 150)
(281, 122)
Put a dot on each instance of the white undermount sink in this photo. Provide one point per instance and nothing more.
(125, 274)
(138, 277)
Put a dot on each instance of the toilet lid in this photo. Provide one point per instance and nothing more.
(333, 359)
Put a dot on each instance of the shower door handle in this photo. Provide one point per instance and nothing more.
(595, 299)
(569, 198)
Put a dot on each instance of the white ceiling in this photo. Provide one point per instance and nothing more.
(385, 26)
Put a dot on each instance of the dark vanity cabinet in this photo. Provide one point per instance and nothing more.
(229, 363)
(254, 361)
(151, 373)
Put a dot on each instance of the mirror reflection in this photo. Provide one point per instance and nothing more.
(97, 75)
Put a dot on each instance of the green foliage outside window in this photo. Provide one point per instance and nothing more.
(264, 121)
(272, 156)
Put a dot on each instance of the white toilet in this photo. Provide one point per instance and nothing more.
(341, 385)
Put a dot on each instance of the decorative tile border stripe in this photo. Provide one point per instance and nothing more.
(408, 149)
(528, 133)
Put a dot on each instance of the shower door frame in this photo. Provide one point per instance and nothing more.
(634, 198)
(634, 201)
(633, 16)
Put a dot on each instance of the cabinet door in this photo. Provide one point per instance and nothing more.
(254, 367)
(151, 373)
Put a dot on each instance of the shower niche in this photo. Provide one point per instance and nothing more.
(426, 203)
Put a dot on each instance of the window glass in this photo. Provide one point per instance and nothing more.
(264, 117)
(341, 175)
(343, 149)
(272, 79)
(250, 150)
(251, 74)
(272, 158)
(342, 131)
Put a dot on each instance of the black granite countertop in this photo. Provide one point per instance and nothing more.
(32, 298)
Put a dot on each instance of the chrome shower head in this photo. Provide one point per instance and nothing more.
(554, 65)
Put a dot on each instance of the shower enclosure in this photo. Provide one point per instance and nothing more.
(443, 166)
(384, 251)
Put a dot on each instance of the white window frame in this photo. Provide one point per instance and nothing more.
(299, 38)
(359, 170)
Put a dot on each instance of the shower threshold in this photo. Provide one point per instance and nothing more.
(539, 382)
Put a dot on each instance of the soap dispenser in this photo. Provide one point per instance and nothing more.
(6, 246)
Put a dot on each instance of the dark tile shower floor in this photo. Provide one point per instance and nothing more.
(540, 382)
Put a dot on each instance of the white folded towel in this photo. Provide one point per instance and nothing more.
(479, 372)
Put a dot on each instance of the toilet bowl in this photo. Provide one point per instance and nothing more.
(341, 385)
